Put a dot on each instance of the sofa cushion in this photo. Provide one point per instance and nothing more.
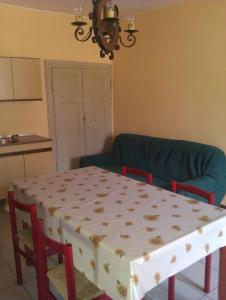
(184, 161)
(167, 159)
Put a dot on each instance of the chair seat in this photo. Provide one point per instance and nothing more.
(85, 290)
(25, 236)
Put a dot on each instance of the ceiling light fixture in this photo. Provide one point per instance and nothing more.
(105, 27)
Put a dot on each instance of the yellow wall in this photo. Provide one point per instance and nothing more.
(30, 33)
(173, 82)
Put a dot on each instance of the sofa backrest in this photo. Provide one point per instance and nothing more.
(168, 159)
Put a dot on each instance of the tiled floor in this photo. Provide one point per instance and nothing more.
(188, 283)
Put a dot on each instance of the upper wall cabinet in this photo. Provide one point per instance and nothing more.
(6, 82)
(20, 79)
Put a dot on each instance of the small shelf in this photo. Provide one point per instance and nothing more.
(26, 144)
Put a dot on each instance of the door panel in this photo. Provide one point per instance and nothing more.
(98, 110)
(27, 78)
(6, 79)
(69, 115)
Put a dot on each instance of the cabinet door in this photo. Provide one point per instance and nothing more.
(6, 85)
(26, 78)
(69, 115)
(98, 110)
(37, 164)
(11, 168)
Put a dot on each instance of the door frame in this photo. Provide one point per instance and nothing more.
(49, 66)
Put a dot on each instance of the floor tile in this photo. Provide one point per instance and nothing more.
(182, 292)
(14, 293)
(195, 275)
(5, 234)
(7, 278)
(215, 260)
(6, 253)
(31, 288)
(214, 294)
(206, 298)
(2, 262)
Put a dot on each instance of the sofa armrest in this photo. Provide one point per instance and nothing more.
(96, 160)
(207, 183)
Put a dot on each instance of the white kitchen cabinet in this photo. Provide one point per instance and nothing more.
(20, 79)
(37, 164)
(30, 156)
(6, 81)
(11, 168)
(26, 78)
(15, 167)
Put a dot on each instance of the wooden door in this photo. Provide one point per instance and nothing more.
(98, 110)
(69, 116)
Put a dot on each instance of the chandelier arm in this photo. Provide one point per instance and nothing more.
(105, 29)
(80, 34)
(130, 38)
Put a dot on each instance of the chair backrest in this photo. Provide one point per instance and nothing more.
(137, 172)
(209, 196)
(47, 245)
(25, 208)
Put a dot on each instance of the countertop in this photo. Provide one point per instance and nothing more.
(28, 139)
(26, 144)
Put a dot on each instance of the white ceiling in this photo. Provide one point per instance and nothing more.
(67, 6)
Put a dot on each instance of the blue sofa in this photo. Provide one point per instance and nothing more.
(192, 163)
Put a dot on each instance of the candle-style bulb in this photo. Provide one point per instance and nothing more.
(131, 23)
(79, 14)
(110, 9)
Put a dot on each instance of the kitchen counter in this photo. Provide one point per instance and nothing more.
(25, 145)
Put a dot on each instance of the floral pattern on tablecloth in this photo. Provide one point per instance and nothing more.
(127, 236)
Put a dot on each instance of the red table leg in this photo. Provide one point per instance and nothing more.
(222, 274)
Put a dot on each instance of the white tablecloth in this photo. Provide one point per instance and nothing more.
(127, 236)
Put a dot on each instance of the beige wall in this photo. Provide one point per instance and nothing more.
(173, 82)
(30, 33)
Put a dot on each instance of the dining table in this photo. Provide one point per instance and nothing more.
(127, 236)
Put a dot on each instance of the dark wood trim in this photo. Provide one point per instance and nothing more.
(222, 274)
(26, 152)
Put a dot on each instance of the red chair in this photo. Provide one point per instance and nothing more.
(70, 283)
(137, 172)
(26, 237)
(210, 197)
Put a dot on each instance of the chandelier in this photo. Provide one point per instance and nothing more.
(106, 29)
